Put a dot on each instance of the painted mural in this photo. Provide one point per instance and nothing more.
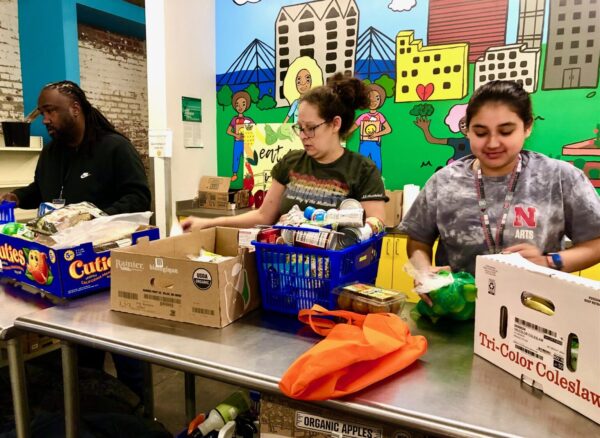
(422, 60)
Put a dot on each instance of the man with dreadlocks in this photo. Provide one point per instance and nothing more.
(87, 159)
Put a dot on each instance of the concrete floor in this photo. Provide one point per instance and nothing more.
(169, 395)
(169, 400)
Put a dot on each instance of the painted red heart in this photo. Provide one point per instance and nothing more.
(425, 91)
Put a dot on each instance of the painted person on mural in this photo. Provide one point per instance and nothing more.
(373, 125)
(529, 202)
(323, 173)
(87, 159)
(240, 101)
(302, 75)
(457, 122)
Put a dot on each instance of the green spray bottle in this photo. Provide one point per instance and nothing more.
(226, 411)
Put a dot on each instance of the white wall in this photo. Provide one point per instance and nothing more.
(180, 37)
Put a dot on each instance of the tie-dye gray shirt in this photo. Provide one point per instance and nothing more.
(552, 199)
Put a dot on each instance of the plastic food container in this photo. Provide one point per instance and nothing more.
(367, 298)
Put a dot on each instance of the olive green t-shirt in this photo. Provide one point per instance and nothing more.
(310, 183)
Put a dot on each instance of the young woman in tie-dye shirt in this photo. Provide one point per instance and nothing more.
(539, 199)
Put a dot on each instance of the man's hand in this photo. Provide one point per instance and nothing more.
(11, 197)
(529, 252)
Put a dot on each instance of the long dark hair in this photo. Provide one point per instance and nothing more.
(96, 123)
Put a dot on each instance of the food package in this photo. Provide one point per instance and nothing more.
(106, 232)
(66, 217)
(367, 298)
(454, 301)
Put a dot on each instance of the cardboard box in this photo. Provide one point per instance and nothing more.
(284, 417)
(393, 208)
(158, 279)
(214, 192)
(65, 273)
(542, 326)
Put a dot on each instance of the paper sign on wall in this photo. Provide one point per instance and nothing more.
(191, 115)
(160, 142)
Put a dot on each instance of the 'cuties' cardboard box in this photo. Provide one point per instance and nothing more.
(65, 273)
(542, 326)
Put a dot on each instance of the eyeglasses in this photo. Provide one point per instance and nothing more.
(309, 131)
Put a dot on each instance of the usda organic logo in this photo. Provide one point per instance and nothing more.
(202, 279)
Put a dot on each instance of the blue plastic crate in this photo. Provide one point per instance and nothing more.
(293, 278)
(7, 212)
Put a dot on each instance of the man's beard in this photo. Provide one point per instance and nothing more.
(66, 134)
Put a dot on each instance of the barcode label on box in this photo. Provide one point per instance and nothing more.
(535, 327)
(203, 311)
(128, 295)
(164, 301)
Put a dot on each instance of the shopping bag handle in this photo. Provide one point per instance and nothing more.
(314, 318)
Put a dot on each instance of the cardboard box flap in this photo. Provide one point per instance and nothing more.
(227, 241)
(214, 184)
(517, 261)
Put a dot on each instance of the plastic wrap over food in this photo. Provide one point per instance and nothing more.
(64, 218)
(102, 230)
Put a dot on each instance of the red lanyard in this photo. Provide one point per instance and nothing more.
(483, 207)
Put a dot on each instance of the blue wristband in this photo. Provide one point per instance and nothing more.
(557, 260)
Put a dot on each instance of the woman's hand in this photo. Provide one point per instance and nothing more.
(194, 223)
(529, 252)
(433, 270)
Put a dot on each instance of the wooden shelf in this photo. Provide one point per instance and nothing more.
(35, 145)
(19, 149)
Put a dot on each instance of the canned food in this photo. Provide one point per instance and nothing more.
(268, 235)
(376, 225)
(349, 204)
(366, 232)
(352, 217)
(349, 237)
(322, 239)
(288, 236)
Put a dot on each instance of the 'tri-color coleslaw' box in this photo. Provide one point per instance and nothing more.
(542, 326)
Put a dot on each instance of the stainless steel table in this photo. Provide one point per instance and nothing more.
(449, 391)
(14, 303)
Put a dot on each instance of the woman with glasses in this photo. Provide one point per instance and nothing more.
(323, 173)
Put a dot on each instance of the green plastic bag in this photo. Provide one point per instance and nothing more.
(454, 301)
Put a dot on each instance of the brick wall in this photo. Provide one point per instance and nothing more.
(11, 88)
(113, 75)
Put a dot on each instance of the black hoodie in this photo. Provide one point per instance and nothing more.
(108, 173)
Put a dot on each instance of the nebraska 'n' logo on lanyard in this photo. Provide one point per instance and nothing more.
(495, 245)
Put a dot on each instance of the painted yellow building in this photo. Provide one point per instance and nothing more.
(432, 72)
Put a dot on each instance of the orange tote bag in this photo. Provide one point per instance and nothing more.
(363, 350)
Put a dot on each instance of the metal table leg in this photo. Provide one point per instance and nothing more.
(19, 387)
(190, 396)
(71, 388)
(148, 396)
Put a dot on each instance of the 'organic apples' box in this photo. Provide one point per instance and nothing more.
(65, 273)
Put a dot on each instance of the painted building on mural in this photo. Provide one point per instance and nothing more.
(325, 30)
(531, 23)
(480, 23)
(514, 62)
(437, 72)
(573, 48)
